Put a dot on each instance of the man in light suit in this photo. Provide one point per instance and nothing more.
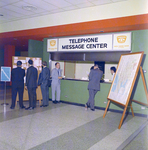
(93, 86)
(56, 76)
(31, 84)
(17, 76)
(44, 83)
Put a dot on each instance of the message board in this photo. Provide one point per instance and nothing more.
(125, 77)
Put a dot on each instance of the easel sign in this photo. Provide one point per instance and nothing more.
(124, 80)
(6, 74)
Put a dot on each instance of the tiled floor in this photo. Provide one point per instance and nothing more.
(68, 127)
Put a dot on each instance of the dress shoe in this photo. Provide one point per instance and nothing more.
(42, 106)
(11, 107)
(29, 108)
(22, 107)
(93, 109)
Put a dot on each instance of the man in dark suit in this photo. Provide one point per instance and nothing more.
(31, 84)
(93, 86)
(44, 83)
(17, 76)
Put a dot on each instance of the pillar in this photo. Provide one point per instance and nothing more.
(9, 51)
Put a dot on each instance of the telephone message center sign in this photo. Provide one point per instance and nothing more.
(94, 43)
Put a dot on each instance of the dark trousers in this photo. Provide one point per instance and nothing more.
(45, 94)
(32, 96)
(91, 100)
(20, 91)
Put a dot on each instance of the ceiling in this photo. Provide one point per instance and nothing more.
(11, 10)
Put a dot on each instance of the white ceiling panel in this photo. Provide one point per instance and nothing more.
(41, 4)
(17, 9)
(101, 2)
(76, 2)
(10, 1)
(88, 4)
(13, 9)
(2, 4)
(118, 0)
(57, 10)
(8, 12)
(59, 3)
(70, 8)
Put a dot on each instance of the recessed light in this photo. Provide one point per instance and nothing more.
(29, 8)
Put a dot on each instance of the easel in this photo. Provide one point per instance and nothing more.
(145, 89)
(128, 99)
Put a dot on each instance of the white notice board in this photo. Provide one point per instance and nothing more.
(125, 77)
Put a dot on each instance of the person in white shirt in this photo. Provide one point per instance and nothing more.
(113, 71)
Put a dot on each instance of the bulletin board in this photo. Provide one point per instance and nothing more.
(125, 77)
(37, 63)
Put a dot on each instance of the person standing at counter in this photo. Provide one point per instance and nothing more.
(113, 71)
(44, 83)
(56, 83)
(17, 76)
(93, 86)
(31, 84)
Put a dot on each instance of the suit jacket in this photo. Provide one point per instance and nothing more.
(55, 74)
(44, 77)
(31, 77)
(94, 79)
(17, 77)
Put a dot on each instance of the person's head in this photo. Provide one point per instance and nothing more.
(92, 68)
(112, 70)
(96, 66)
(44, 63)
(30, 62)
(57, 65)
(19, 63)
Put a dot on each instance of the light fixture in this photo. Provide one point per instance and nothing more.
(29, 8)
(1, 15)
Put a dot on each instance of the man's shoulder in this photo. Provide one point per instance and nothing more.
(53, 69)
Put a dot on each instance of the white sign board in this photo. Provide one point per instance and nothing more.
(52, 45)
(122, 41)
(91, 43)
(86, 43)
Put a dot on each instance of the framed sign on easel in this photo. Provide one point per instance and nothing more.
(123, 82)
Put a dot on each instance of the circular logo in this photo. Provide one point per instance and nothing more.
(52, 43)
(121, 39)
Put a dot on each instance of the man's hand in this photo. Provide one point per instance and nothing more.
(25, 87)
(59, 77)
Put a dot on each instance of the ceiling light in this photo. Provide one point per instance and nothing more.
(29, 8)
(1, 15)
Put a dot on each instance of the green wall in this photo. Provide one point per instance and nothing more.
(76, 91)
(35, 48)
